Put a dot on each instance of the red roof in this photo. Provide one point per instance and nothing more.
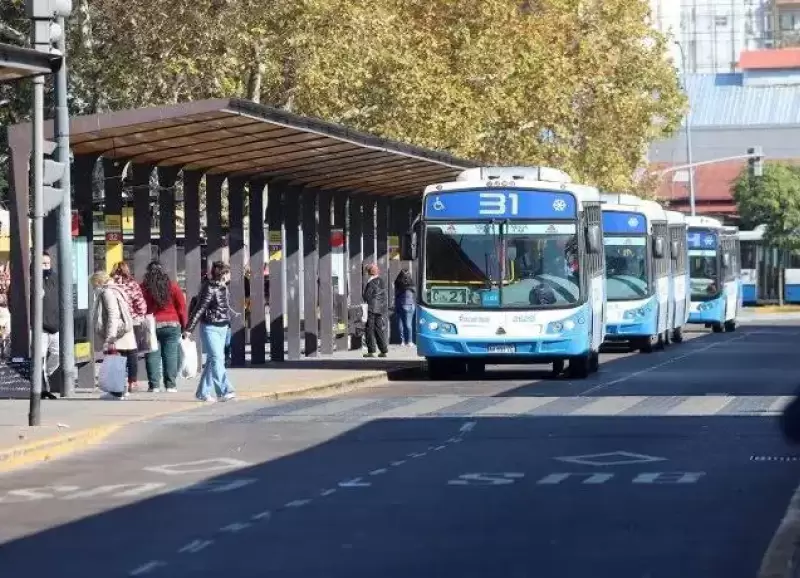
(713, 184)
(770, 59)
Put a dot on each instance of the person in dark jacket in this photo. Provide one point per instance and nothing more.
(404, 305)
(50, 325)
(212, 312)
(374, 297)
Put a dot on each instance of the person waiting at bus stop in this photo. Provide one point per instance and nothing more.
(374, 297)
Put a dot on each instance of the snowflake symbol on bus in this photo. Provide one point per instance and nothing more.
(559, 205)
(633, 222)
(709, 240)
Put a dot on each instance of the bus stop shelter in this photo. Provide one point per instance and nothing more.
(286, 176)
(17, 62)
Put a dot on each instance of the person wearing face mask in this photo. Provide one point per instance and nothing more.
(212, 311)
(50, 325)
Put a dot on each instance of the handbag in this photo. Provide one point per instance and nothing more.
(142, 335)
(150, 325)
(113, 376)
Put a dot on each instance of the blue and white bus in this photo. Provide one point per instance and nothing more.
(680, 288)
(637, 271)
(511, 271)
(716, 286)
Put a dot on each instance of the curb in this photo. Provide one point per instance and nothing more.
(62, 445)
(782, 558)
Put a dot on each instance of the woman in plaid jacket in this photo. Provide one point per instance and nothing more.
(121, 274)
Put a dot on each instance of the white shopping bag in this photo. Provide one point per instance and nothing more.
(150, 323)
(113, 376)
(189, 362)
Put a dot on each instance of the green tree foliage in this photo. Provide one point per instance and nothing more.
(772, 200)
(580, 84)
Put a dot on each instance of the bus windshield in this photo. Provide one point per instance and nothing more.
(626, 268)
(508, 266)
(703, 273)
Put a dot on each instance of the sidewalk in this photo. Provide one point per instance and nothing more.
(70, 424)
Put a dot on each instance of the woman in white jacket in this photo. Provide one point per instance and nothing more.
(112, 320)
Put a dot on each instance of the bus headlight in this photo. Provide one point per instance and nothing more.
(565, 324)
(442, 327)
(569, 325)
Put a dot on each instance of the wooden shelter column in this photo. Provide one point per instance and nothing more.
(82, 178)
(382, 250)
(20, 290)
(192, 245)
(313, 283)
(340, 300)
(277, 267)
(292, 197)
(258, 325)
(368, 218)
(112, 212)
(142, 219)
(213, 219)
(167, 243)
(236, 247)
(355, 285)
(326, 317)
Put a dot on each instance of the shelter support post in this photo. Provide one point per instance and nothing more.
(83, 252)
(167, 226)
(213, 219)
(142, 219)
(112, 211)
(368, 214)
(192, 243)
(382, 253)
(277, 269)
(236, 194)
(354, 246)
(258, 322)
(341, 291)
(292, 197)
(327, 321)
(20, 233)
(312, 282)
(399, 224)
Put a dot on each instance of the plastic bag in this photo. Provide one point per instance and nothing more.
(189, 362)
(113, 376)
(150, 323)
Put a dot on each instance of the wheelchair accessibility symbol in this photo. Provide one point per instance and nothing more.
(438, 205)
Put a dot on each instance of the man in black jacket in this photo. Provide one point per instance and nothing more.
(375, 299)
(50, 325)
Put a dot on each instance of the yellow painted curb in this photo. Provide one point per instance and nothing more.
(779, 559)
(772, 309)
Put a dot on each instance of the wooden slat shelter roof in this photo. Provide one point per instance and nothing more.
(243, 139)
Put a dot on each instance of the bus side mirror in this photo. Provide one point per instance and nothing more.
(675, 249)
(408, 251)
(594, 240)
(658, 247)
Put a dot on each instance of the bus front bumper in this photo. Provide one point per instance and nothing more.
(545, 349)
(707, 311)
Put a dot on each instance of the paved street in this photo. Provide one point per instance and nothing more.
(661, 465)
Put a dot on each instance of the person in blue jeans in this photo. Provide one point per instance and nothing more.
(404, 306)
(212, 311)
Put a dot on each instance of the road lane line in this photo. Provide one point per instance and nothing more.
(328, 408)
(265, 515)
(701, 405)
(147, 568)
(612, 405)
(514, 406)
(467, 427)
(659, 365)
(421, 407)
(195, 546)
(235, 527)
(777, 406)
(297, 503)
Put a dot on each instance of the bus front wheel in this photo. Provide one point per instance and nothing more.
(558, 367)
(580, 367)
(677, 335)
(730, 326)
(717, 327)
(650, 344)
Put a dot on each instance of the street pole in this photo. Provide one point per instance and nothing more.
(40, 32)
(688, 128)
(66, 313)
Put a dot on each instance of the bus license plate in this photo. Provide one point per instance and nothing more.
(502, 349)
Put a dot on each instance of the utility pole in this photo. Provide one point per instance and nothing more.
(43, 33)
(66, 320)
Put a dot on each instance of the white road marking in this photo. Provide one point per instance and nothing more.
(659, 365)
(420, 407)
(705, 405)
(328, 408)
(610, 459)
(417, 454)
(297, 503)
(469, 426)
(780, 404)
(378, 472)
(326, 493)
(209, 465)
(482, 479)
(147, 568)
(439, 448)
(265, 515)
(553, 479)
(668, 478)
(195, 546)
(354, 483)
(117, 491)
(398, 463)
(609, 405)
(515, 406)
(235, 527)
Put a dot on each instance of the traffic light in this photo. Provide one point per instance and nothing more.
(53, 172)
(755, 162)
